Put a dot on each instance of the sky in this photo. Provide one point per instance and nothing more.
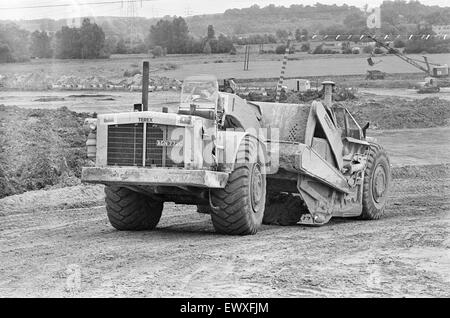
(14, 9)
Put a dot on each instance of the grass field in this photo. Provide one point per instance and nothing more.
(330, 65)
(221, 65)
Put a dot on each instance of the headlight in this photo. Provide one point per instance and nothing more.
(90, 124)
(90, 127)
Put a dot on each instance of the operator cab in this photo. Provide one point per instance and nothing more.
(199, 96)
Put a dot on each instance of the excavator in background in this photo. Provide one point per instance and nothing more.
(437, 74)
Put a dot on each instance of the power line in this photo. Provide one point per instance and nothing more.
(70, 4)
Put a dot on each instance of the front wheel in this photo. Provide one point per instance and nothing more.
(131, 211)
(238, 209)
(377, 177)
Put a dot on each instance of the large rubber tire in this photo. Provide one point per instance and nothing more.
(283, 209)
(377, 178)
(131, 211)
(239, 207)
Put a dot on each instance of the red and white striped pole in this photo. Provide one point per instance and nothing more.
(283, 69)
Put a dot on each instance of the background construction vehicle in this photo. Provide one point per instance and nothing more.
(438, 73)
(228, 85)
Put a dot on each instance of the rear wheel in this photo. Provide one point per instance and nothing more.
(131, 211)
(377, 178)
(239, 207)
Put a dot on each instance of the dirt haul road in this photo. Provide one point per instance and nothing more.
(55, 251)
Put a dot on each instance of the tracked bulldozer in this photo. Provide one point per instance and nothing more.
(245, 163)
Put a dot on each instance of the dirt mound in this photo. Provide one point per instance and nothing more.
(340, 94)
(40, 148)
(382, 113)
(29, 81)
(80, 196)
(41, 81)
(398, 113)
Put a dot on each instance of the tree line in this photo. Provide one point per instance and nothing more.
(89, 42)
(85, 42)
(174, 38)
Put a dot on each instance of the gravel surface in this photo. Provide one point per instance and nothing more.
(55, 251)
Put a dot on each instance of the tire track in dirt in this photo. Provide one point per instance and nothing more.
(403, 254)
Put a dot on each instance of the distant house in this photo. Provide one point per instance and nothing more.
(332, 45)
(442, 30)
(298, 85)
(74, 22)
(367, 43)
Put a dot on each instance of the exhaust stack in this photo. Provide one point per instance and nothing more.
(145, 82)
(328, 93)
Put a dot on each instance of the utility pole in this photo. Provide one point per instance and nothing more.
(283, 69)
(130, 8)
(246, 57)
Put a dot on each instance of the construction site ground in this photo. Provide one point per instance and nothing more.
(444, 92)
(50, 236)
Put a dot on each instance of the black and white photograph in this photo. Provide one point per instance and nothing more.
(224, 154)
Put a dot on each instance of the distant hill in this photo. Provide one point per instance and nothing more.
(271, 18)
(234, 21)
